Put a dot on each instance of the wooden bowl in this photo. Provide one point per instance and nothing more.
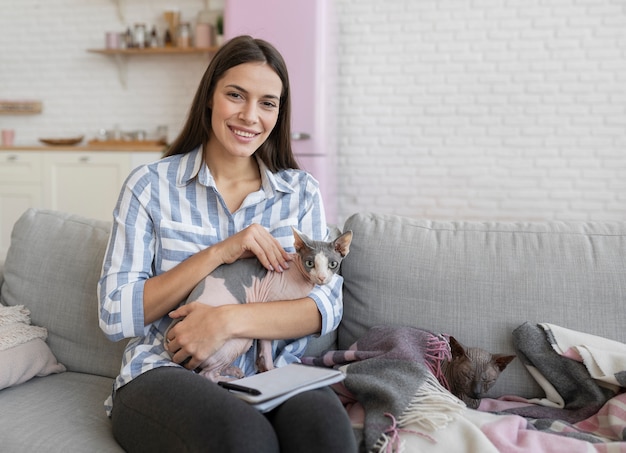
(62, 141)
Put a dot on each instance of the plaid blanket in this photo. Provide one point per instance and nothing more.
(390, 372)
(583, 377)
(572, 393)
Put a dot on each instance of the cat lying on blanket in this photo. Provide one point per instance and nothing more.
(247, 281)
(468, 373)
(471, 372)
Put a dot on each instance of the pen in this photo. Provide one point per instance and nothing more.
(239, 388)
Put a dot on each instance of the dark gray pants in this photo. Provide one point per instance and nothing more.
(170, 409)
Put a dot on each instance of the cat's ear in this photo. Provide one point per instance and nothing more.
(342, 243)
(456, 348)
(299, 240)
(502, 360)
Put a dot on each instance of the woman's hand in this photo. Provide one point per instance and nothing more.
(254, 241)
(198, 336)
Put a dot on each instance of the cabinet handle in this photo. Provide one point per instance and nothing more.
(300, 136)
(12, 157)
(84, 159)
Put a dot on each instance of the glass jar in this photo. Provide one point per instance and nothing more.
(184, 35)
(139, 36)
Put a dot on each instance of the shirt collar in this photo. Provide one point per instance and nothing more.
(192, 166)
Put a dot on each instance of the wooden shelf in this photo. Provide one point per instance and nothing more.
(121, 55)
(156, 51)
(8, 107)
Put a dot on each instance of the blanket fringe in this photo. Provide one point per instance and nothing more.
(436, 354)
(14, 314)
(432, 408)
(16, 329)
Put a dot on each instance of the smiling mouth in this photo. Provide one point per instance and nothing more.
(244, 134)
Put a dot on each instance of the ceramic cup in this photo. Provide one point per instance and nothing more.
(112, 40)
(203, 35)
(8, 135)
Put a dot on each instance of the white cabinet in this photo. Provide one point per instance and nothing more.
(20, 188)
(19, 167)
(84, 183)
(79, 182)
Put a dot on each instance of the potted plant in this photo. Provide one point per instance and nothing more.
(219, 29)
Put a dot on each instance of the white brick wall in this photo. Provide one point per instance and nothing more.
(483, 109)
(466, 109)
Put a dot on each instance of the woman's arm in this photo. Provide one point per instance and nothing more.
(164, 292)
(319, 313)
(268, 320)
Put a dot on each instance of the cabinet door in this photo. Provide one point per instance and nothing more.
(15, 198)
(85, 183)
(20, 167)
(20, 189)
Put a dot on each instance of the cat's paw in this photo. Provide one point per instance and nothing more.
(471, 402)
(231, 373)
(263, 365)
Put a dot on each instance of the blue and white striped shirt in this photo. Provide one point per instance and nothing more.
(170, 210)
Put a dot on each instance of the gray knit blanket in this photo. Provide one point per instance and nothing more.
(575, 393)
(390, 371)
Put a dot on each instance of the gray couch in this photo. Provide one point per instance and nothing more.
(476, 281)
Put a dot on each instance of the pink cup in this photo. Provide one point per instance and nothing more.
(203, 35)
(8, 135)
(112, 40)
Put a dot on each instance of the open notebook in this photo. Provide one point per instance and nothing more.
(267, 390)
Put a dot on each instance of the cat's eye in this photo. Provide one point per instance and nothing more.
(310, 264)
(333, 265)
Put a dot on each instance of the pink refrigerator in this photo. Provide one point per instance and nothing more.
(304, 32)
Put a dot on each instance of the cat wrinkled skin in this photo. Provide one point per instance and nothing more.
(247, 281)
(471, 372)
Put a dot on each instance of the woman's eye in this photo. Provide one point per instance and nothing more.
(269, 105)
(235, 95)
(310, 264)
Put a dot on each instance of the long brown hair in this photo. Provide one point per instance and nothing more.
(276, 151)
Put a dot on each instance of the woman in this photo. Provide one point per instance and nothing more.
(229, 188)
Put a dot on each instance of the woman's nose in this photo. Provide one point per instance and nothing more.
(249, 113)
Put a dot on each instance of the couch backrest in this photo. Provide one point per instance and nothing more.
(479, 281)
(52, 267)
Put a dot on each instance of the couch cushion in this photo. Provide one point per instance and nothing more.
(58, 413)
(479, 281)
(52, 267)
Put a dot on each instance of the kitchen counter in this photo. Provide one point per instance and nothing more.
(132, 147)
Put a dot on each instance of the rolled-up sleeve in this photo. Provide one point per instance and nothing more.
(329, 302)
(328, 297)
(127, 264)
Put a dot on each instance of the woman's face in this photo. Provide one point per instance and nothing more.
(244, 109)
